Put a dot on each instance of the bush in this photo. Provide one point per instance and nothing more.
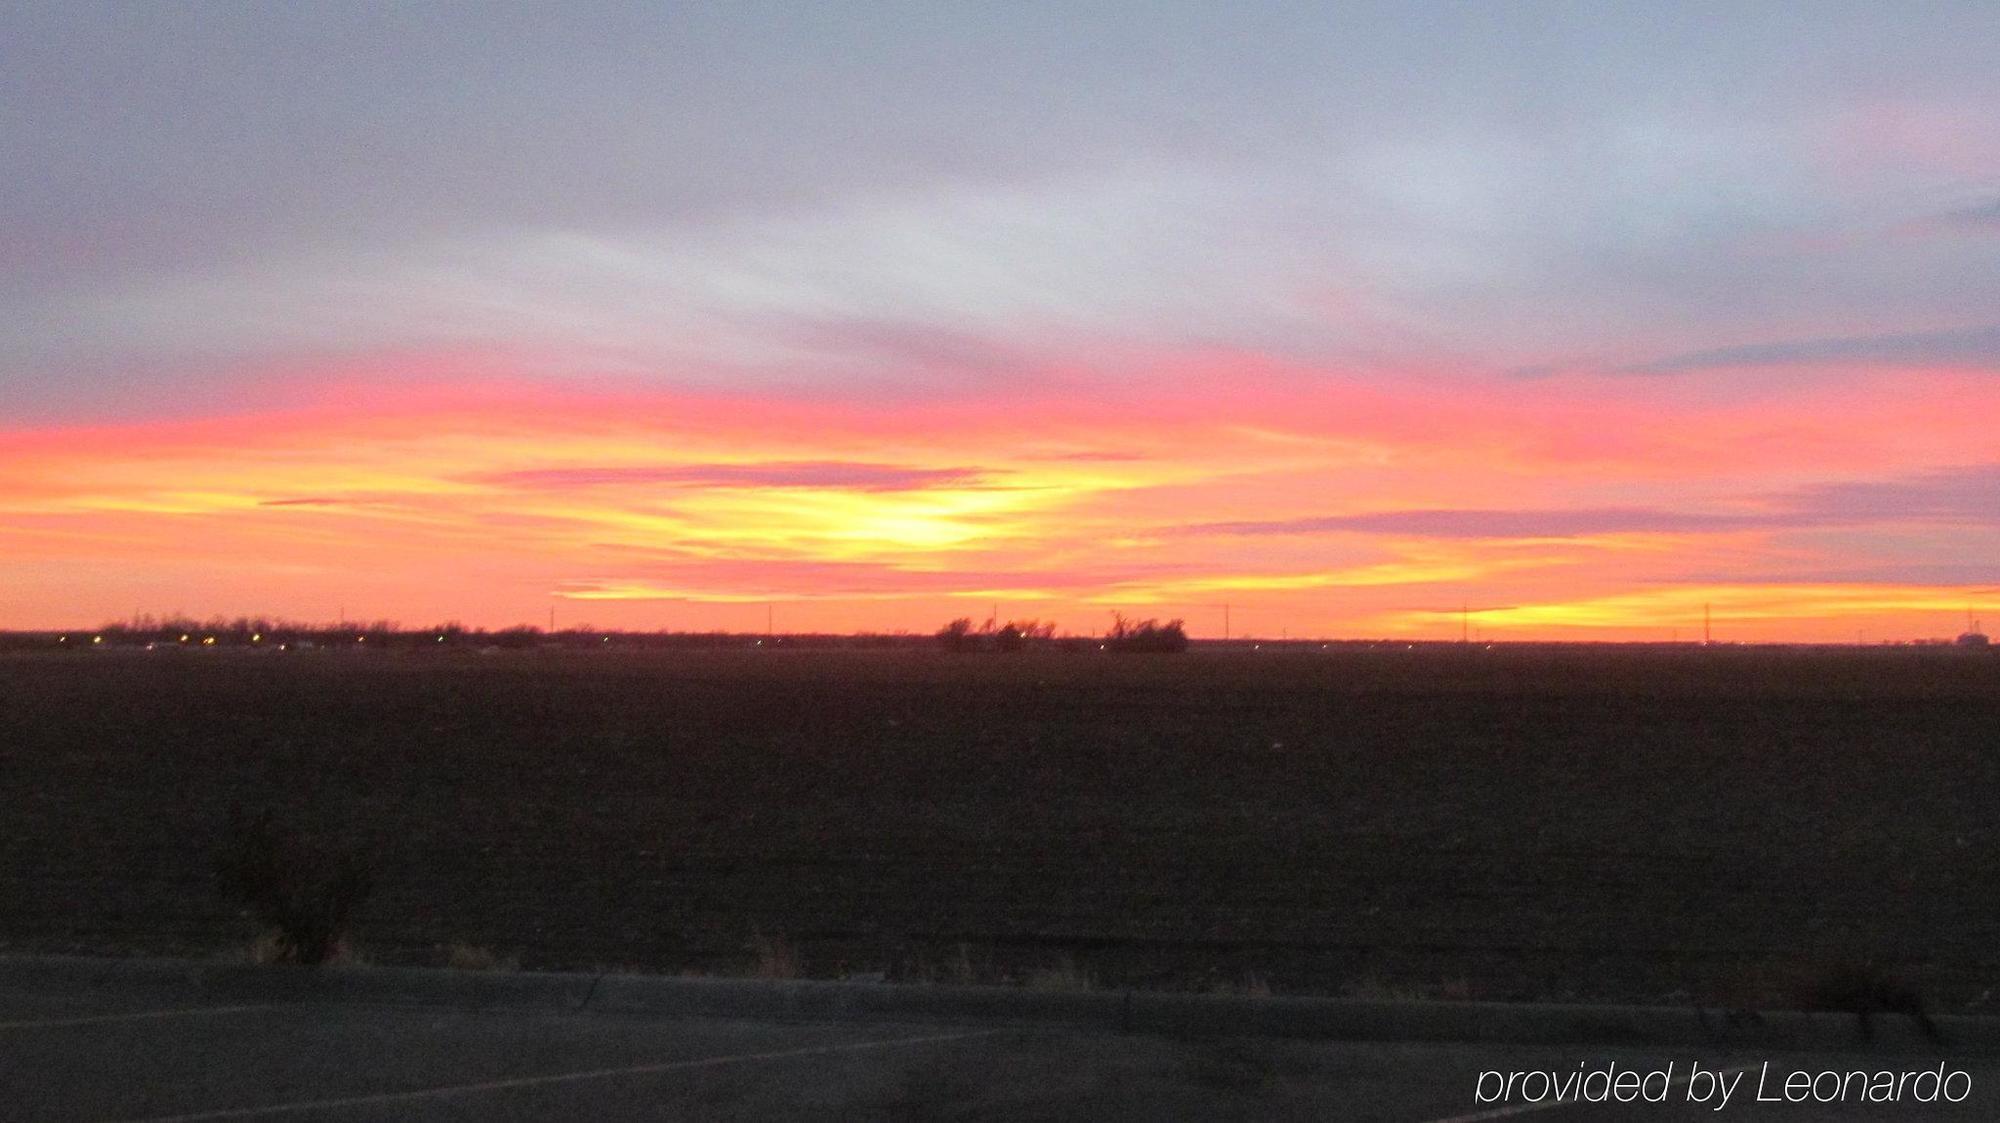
(1024, 633)
(958, 635)
(516, 637)
(1146, 636)
(301, 892)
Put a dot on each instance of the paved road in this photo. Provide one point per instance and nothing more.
(102, 1056)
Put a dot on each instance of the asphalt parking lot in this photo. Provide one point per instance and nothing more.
(105, 1054)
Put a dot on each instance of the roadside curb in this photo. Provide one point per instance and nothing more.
(1168, 1014)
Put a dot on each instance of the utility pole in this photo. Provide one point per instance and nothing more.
(1225, 621)
(1705, 637)
(770, 617)
(1464, 622)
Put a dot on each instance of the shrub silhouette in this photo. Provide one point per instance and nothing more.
(1868, 990)
(1023, 633)
(1145, 636)
(958, 635)
(299, 890)
(516, 637)
(1864, 988)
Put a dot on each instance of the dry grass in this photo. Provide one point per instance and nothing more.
(774, 958)
(1251, 984)
(1064, 976)
(470, 957)
(269, 948)
(955, 970)
(302, 890)
(1454, 990)
(958, 970)
(1373, 988)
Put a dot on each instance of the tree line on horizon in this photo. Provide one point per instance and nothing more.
(960, 635)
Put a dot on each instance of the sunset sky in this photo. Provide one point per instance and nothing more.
(1582, 316)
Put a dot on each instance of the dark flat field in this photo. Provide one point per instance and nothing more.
(1546, 822)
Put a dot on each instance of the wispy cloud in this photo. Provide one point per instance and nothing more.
(1969, 347)
(1979, 214)
(666, 577)
(1103, 456)
(1980, 580)
(1540, 523)
(830, 474)
(1959, 496)
(910, 345)
(1966, 496)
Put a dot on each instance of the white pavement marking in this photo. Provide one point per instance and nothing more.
(561, 1078)
(94, 1019)
(1547, 1105)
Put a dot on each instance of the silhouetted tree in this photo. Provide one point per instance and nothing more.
(1148, 636)
(958, 635)
(519, 636)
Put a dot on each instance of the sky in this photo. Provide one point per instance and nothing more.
(1537, 320)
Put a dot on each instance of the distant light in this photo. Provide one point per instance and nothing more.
(62, 639)
(257, 638)
(1256, 647)
(97, 639)
(184, 638)
(440, 639)
(607, 639)
(360, 639)
(284, 647)
(208, 641)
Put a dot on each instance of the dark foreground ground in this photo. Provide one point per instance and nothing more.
(112, 1053)
(1640, 825)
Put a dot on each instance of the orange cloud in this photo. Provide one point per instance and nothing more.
(1320, 503)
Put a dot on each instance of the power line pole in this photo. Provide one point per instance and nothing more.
(1705, 637)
